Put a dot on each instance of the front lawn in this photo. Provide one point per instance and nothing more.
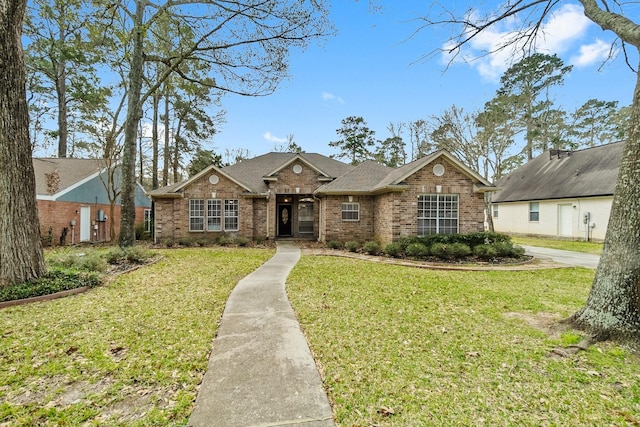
(129, 353)
(567, 245)
(400, 346)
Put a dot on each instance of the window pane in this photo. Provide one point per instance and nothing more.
(437, 214)
(305, 218)
(214, 215)
(196, 215)
(231, 215)
(351, 211)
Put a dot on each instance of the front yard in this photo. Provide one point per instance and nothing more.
(402, 346)
(129, 353)
(397, 346)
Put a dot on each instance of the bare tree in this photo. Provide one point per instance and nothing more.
(246, 44)
(613, 307)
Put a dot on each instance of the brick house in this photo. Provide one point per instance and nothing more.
(311, 196)
(73, 203)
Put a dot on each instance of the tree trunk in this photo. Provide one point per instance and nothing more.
(61, 89)
(155, 142)
(134, 114)
(167, 148)
(21, 255)
(613, 306)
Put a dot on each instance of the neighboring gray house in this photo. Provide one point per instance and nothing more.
(311, 196)
(559, 193)
(73, 204)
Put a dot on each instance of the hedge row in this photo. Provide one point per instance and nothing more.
(483, 245)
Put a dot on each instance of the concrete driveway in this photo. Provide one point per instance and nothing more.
(577, 259)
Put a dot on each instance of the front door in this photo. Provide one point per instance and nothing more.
(284, 221)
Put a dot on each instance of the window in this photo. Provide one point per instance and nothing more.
(305, 218)
(351, 211)
(196, 215)
(231, 215)
(534, 211)
(147, 220)
(495, 211)
(437, 214)
(214, 215)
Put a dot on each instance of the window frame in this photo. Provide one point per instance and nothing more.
(495, 210)
(534, 214)
(303, 222)
(438, 213)
(231, 215)
(211, 218)
(148, 221)
(196, 213)
(350, 209)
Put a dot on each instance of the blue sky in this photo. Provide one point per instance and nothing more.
(372, 68)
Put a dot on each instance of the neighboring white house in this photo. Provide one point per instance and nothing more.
(559, 193)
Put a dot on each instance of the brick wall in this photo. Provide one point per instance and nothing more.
(55, 216)
(337, 229)
(172, 215)
(396, 213)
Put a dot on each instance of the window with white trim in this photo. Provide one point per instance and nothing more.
(231, 215)
(534, 211)
(147, 220)
(214, 215)
(196, 215)
(305, 218)
(437, 214)
(351, 211)
(495, 211)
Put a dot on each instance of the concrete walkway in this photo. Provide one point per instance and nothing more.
(261, 372)
(577, 259)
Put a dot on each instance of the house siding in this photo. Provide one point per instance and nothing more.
(513, 218)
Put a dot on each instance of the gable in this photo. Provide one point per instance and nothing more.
(401, 175)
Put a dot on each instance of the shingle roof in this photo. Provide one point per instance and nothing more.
(251, 172)
(557, 175)
(362, 178)
(69, 171)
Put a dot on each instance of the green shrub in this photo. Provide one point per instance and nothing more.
(335, 244)
(406, 241)
(134, 254)
(352, 246)
(440, 250)
(417, 250)
(56, 280)
(372, 248)
(459, 250)
(89, 261)
(394, 250)
(242, 241)
(223, 240)
(485, 252)
(508, 250)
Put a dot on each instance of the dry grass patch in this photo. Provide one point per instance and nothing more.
(130, 353)
(401, 346)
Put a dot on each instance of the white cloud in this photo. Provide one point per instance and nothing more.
(556, 36)
(327, 96)
(592, 53)
(272, 138)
